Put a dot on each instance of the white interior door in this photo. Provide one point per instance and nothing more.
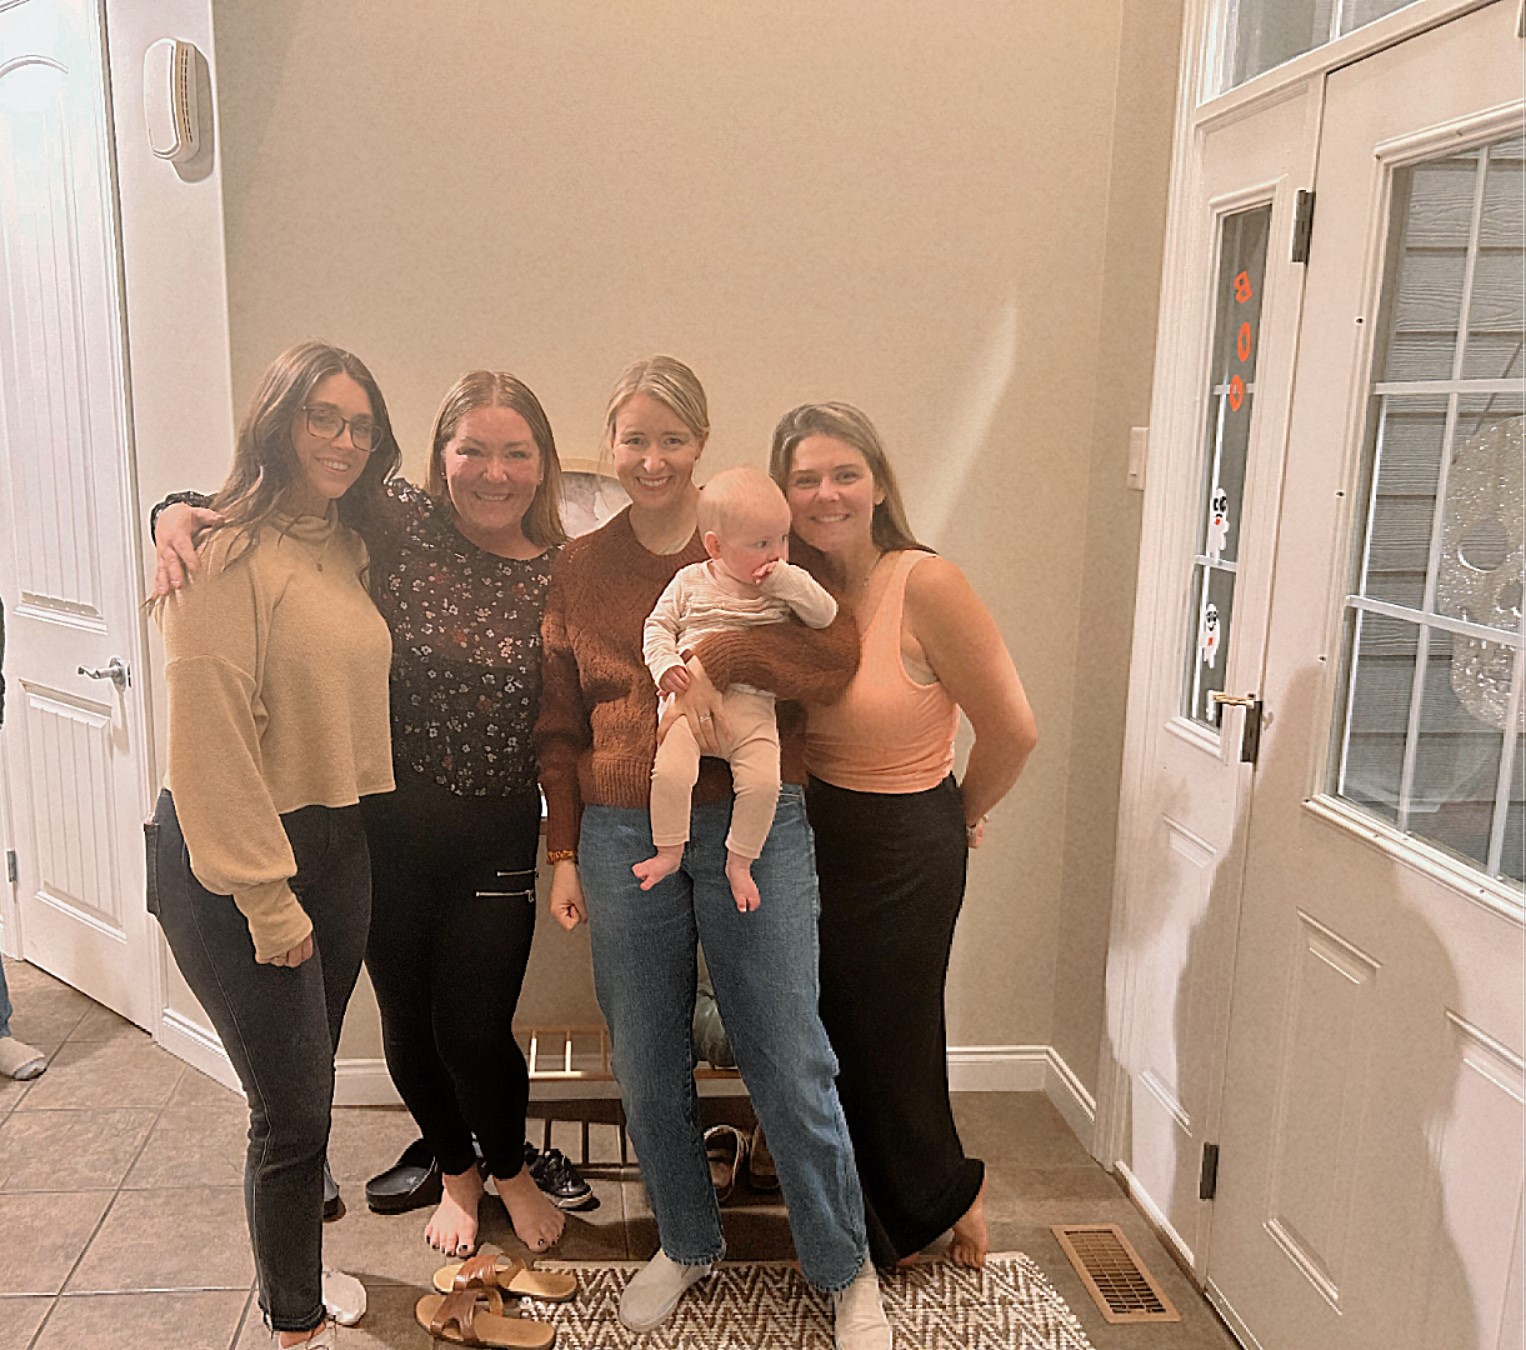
(75, 778)
(1221, 425)
(1371, 1176)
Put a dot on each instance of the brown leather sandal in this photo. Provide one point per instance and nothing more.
(476, 1317)
(491, 1269)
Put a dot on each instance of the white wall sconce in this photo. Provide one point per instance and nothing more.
(171, 104)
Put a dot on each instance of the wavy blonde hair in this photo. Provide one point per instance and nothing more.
(671, 383)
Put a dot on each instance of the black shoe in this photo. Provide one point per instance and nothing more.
(332, 1205)
(412, 1182)
(557, 1177)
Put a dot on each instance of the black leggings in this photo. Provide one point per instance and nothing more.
(453, 884)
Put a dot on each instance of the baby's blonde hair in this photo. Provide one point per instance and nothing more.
(733, 492)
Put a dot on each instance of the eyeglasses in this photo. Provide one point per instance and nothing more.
(326, 423)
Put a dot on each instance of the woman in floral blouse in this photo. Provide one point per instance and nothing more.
(460, 573)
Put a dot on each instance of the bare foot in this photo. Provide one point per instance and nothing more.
(661, 864)
(452, 1228)
(971, 1241)
(537, 1222)
(744, 890)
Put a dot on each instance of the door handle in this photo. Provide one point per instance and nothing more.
(114, 670)
(1233, 700)
(1250, 735)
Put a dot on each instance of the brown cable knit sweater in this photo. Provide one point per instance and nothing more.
(597, 733)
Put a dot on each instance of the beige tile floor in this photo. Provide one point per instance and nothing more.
(121, 1212)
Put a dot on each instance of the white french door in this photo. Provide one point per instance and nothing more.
(1202, 603)
(75, 779)
(1370, 1187)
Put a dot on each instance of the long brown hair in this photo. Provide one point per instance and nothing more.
(843, 422)
(542, 523)
(264, 462)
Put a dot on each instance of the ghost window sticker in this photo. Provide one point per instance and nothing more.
(1208, 636)
(1218, 524)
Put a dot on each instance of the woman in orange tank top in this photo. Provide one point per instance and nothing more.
(893, 827)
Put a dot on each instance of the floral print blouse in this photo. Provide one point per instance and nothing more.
(466, 675)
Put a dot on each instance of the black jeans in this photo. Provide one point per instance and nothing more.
(279, 1026)
(454, 881)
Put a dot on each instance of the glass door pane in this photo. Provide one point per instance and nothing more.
(1226, 441)
(1430, 735)
(1266, 33)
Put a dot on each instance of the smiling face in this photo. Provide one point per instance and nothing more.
(327, 467)
(832, 494)
(655, 452)
(492, 468)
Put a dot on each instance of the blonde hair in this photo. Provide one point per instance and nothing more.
(265, 461)
(542, 523)
(843, 422)
(671, 383)
(724, 499)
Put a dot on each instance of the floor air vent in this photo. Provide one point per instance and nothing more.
(1113, 1274)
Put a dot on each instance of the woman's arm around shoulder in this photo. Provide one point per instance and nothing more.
(965, 648)
(805, 665)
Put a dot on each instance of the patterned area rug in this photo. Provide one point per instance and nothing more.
(1009, 1305)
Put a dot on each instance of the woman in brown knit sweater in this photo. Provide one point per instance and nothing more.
(596, 739)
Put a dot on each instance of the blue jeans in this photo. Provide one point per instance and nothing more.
(764, 967)
(5, 1005)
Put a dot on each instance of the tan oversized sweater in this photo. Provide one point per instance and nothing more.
(596, 736)
(276, 664)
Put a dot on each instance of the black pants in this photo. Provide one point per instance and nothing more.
(454, 881)
(279, 1026)
(892, 870)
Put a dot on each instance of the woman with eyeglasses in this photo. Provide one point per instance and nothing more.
(276, 667)
(459, 571)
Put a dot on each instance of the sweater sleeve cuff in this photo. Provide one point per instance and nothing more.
(277, 921)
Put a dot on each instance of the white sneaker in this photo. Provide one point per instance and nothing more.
(859, 1321)
(344, 1298)
(322, 1339)
(649, 1299)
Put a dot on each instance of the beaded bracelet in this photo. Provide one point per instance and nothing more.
(556, 855)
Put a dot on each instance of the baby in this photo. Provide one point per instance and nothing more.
(745, 523)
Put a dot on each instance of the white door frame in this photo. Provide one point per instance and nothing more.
(1175, 465)
(133, 640)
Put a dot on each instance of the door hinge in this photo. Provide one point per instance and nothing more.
(1303, 224)
(11, 872)
(1208, 1178)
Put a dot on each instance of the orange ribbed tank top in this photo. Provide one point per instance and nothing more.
(887, 733)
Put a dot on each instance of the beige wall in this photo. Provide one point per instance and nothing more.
(949, 213)
(1139, 172)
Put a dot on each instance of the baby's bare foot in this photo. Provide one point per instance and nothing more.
(971, 1239)
(536, 1220)
(744, 890)
(452, 1228)
(661, 864)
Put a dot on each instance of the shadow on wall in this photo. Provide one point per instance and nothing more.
(1297, 1178)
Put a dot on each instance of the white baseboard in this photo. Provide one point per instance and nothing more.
(997, 1068)
(1153, 1212)
(198, 1047)
(971, 1068)
(1070, 1098)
